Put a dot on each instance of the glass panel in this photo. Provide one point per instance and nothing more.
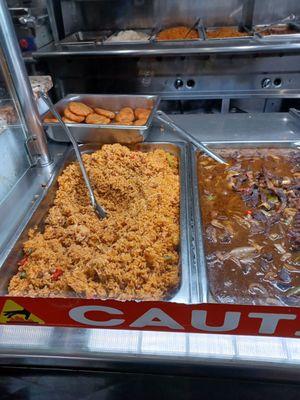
(14, 160)
(8, 112)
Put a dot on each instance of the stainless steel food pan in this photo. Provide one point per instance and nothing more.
(198, 28)
(278, 37)
(212, 29)
(149, 32)
(184, 292)
(92, 133)
(85, 37)
(196, 207)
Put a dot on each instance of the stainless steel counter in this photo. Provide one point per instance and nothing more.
(226, 355)
(234, 127)
(237, 46)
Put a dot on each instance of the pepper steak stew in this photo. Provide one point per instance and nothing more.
(251, 224)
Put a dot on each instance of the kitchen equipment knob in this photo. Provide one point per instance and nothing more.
(178, 83)
(265, 83)
(24, 44)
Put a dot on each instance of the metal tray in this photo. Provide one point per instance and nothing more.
(196, 208)
(278, 37)
(94, 133)
(129, 42)
(211, 29)
(85, 37)
(183, 294)
(157, 30)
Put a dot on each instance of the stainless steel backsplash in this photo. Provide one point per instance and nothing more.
(124, 14)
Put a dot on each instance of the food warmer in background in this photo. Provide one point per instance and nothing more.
(214, 71)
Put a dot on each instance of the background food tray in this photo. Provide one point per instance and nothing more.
(278, 36)
(198, 28)
(184, 293)
(85, 37)
(94, 133)
(248, 35)
(149, 32)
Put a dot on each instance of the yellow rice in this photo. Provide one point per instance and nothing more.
(131, 254)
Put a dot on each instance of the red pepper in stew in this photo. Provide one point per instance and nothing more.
(56, 274)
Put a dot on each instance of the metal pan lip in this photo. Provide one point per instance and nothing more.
(201, 268)
(201, 265)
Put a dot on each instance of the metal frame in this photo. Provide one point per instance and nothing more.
(55, 18)
(17, 78)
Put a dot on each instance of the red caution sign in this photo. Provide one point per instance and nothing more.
(155, 316)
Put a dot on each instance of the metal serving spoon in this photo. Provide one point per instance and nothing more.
(289, 18)
(165, 119)
(97, 208)
(192, 27)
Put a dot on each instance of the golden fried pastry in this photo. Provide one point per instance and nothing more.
(141, 113)
(123, 118)
(97, 119)
(126, 114)
(140, 122)
(73, 117)
(80, 108)
(50, 119)
(127, 110)
(106, 113)
(68, 121)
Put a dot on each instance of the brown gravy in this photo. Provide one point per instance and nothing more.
(225, 32)
(251, 225)
(279, 30)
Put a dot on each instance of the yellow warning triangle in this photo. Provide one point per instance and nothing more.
(13, 312)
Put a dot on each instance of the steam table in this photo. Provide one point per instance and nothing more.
(218, 356)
